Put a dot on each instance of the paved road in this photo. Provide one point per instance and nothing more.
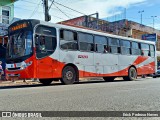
(140, 95)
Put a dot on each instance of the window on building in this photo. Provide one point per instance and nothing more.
(152, 51)
(125, 47)
(5, 15)
(135, 50)
(101, 44)
(114, 45)
(145, 49)
(85, 42)
(68, 40)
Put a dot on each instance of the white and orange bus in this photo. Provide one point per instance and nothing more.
(48, 52)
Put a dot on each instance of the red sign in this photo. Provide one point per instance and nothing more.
(82, 56)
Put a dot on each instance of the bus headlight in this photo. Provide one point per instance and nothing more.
(25, 65)
(29, 63)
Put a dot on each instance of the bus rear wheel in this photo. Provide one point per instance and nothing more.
(69, 75)
(109, 79)
(45, 81)
(132, 74)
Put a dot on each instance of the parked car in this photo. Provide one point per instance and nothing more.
(157, 74)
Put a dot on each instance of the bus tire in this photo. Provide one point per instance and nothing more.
(154, 76)
(69, 75)
(45, 81)
(109, 79)
(132, 74)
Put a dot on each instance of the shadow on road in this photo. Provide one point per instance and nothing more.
(59, 84)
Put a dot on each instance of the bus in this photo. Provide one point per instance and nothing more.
(51, 52)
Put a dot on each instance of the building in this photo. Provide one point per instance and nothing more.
(122, 27)
(6, 15)
(6, 18)
(133, 29)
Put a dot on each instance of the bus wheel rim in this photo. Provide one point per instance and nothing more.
(69, 75)
(133, 74)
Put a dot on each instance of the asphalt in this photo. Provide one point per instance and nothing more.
(139, 95)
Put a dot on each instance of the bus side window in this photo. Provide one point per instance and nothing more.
(85, 42)
(101, 44)
(68, 40)
(152, 51)
(106, 49)
(125, 47)
(135, 48)
(45, 41)
(144, 49)
(114, 45)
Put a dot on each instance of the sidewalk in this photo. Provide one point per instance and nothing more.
(31, 82)
(17, 82)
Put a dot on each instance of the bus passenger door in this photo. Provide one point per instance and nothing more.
(45, 42)
(44, 68)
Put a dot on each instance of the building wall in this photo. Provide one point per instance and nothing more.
(77, 21)
(6, 15)
(89, 22)
(10, 8)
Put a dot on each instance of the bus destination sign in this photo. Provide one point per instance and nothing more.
(19, 26)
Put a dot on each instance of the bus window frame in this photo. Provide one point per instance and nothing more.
(136, 49)
(118, 47)
(34, 40)
(17, 31)
(101, 44)
(60, 39)
(85, 42)
(120, 40)
(142, 50)
(152, 51)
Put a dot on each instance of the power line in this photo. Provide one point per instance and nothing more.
(51, 5)
(69, 8)
(41, 13)
(36, 8)
(61, 11)
(65, 12)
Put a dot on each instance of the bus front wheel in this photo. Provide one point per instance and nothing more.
(69, 75)
(132, 74)
(45, 81)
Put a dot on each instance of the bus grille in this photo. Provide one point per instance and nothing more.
(14, 68)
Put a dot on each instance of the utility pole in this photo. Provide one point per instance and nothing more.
(141, 15)
(153, 21)
(46, 11)
(125, 13)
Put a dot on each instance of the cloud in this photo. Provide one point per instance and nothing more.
(105, 8)
(157, 26)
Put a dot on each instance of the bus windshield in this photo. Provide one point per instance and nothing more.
(20, 44)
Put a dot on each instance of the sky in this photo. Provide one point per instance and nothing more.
(108, 9)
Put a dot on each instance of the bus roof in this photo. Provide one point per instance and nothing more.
(91, 31)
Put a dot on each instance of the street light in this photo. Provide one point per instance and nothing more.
(141, 15)
(153, 20)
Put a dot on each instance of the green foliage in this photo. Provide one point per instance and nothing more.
(6, 2)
